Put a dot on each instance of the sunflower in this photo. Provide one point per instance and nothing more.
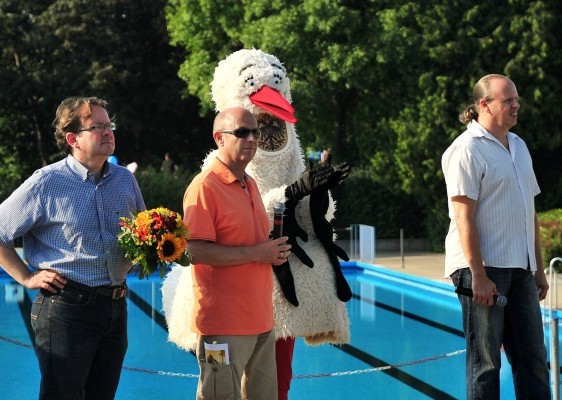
(152, 239)
(170, 247)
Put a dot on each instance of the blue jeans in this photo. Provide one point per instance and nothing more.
(518, 326)
(80, 342)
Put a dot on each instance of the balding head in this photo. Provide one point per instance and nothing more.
(236, 133)
(226, 119)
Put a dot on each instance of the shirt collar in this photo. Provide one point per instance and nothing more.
(477, 130)
(107, 169)
(82, 171)
(223, 172)
(78, 168)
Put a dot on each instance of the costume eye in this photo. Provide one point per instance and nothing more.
(250, 80)
(277, 79)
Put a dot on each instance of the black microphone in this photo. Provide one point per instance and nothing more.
(278, 210)
(499, 300)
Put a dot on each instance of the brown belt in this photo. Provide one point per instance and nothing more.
(115, 292)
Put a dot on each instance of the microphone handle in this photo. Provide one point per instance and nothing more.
(499, 300)
(278, 210)
(277, 225)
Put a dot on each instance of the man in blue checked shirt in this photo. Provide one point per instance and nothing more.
(68, 215)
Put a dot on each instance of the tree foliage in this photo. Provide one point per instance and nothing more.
(117, 50)
(382, 82)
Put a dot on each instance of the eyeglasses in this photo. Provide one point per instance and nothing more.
(100, 128)
(243, 133)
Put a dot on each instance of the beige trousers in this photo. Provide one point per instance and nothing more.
(250, 375)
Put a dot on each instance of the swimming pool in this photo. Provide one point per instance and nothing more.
(396, 320)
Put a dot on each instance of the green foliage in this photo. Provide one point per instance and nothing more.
(10, 173)
(550, 223)
(382, 83)
(360, 199)
(117, 50)
(379, 82)
(163, 189)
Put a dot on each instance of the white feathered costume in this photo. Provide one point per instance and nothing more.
(258, 82)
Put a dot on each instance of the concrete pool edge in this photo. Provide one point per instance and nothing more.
(358, 266)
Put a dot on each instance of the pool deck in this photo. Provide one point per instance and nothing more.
(423, 264)
(431, 265)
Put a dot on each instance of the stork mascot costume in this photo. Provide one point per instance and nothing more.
(310, 289)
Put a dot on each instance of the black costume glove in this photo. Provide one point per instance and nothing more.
(318, 206)
(286, 281)
(339, 174)
(292, 230)
(319, 179)
(283, 273)
(312, 180)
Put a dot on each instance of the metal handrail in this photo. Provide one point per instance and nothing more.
(554, 348)
(552, 283)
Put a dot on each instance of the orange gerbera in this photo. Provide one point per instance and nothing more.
(154, 238)
(170, 247)
(143, 219)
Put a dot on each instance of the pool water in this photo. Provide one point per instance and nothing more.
(406, 343)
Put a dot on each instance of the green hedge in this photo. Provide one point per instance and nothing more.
(550, 223)
(360, 200)
(163, 189)
(10, 173)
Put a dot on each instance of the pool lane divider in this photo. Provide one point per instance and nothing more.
(146, 308)
(369, 359)
(396, 373)
(402, 376)
(412, 316)
(25, 309)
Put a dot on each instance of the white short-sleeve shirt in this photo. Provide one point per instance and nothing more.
(504, 185)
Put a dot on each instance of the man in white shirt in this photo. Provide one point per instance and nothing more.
(493, 244)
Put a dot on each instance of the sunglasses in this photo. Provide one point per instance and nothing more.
(243, 133)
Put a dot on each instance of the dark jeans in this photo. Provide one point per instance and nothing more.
(80, 342)
(518, 326)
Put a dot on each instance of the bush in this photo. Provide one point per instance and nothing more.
(10, 173)
(550, 223)
(360, 200)
(162, 188)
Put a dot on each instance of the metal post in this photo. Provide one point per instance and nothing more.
(554, 344)
(554, 359)
(402, 246)
(551, 282)
(353, 242)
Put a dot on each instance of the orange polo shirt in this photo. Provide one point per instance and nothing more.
(237, 299)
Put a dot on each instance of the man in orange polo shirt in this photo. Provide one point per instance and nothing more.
(232, 274)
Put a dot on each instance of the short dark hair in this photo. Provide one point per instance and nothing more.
(69, 119)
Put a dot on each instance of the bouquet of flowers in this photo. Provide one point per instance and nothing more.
(153, 239)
